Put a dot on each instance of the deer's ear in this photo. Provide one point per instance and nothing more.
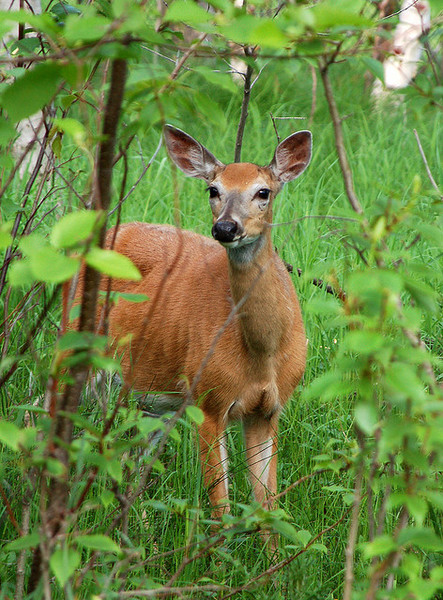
(189, 155)
(292, 156)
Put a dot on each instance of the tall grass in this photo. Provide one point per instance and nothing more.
(385, 160)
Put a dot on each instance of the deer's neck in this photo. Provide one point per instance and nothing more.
(261, 290)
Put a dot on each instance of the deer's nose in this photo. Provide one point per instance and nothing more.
(224, 231)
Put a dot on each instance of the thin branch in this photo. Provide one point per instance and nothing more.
(178, 67)
(352, 538)
(428, 170)
(314, 95)
(244, 110)
(169, 591)
(275, 127)
(9, 510)
(339, 141)
(62, 427)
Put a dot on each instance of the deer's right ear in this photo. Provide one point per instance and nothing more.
(292, 156)
(189, 155)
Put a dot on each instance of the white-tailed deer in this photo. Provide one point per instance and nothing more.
(193, 283)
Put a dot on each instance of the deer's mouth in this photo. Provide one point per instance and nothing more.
(241, 240)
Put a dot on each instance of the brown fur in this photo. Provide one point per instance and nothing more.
(192, 286)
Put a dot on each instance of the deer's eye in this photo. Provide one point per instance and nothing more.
(264, 194)
(213, 191)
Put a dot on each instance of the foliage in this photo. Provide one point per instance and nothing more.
(84, 485)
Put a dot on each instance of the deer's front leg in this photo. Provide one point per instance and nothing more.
(261, 454)
(214, 460)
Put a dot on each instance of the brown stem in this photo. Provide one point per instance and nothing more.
(244, 111)
(339, 141)
(352, 538)
(314, 95)
(428, 170)
(62, 429)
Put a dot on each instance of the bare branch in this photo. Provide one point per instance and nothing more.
(339, 141)
(244, 110)
(428, 170)
(352, 538)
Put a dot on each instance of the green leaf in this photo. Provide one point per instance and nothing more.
(328, 386)
(107, 498)
(241, 28)
(20, 273)
(195, 414)
(402, 381)
(55, 467)
(112, 263)
(148, 425)
(268, 34)
(5, 235)
(366, 417)
(114, 469)
(222, 80)
(62, 9)
(50, 266)
(7, 132)
(423, 294)
(106, 363)
(29, 244)
(374, 66)
(187, 11)
(32, 91)
(73, 128)
(435, 498)
(422, 537)
(287, 530)
(136, 298)
(363, 342)
(80, 29)
(10, 435)
(304, 536)
(23, 543)
(73, 228)
(99, 542)
(81, 340)
(384, 544)
(329, 14)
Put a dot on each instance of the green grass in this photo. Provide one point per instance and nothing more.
(385, 159)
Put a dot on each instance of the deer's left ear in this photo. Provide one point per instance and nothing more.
(292, 156)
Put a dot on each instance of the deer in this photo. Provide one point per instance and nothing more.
(227, 303)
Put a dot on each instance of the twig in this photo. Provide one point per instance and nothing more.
(338, 293)
(62, 425)
(21, 561)
(143, 173)
(314, 95)
(352, 538)
(275, 127)
(244, 110)
(391, 559)
(339, 141)
(171, 591)
(428, 170)
(9, 510)
(189, 52)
